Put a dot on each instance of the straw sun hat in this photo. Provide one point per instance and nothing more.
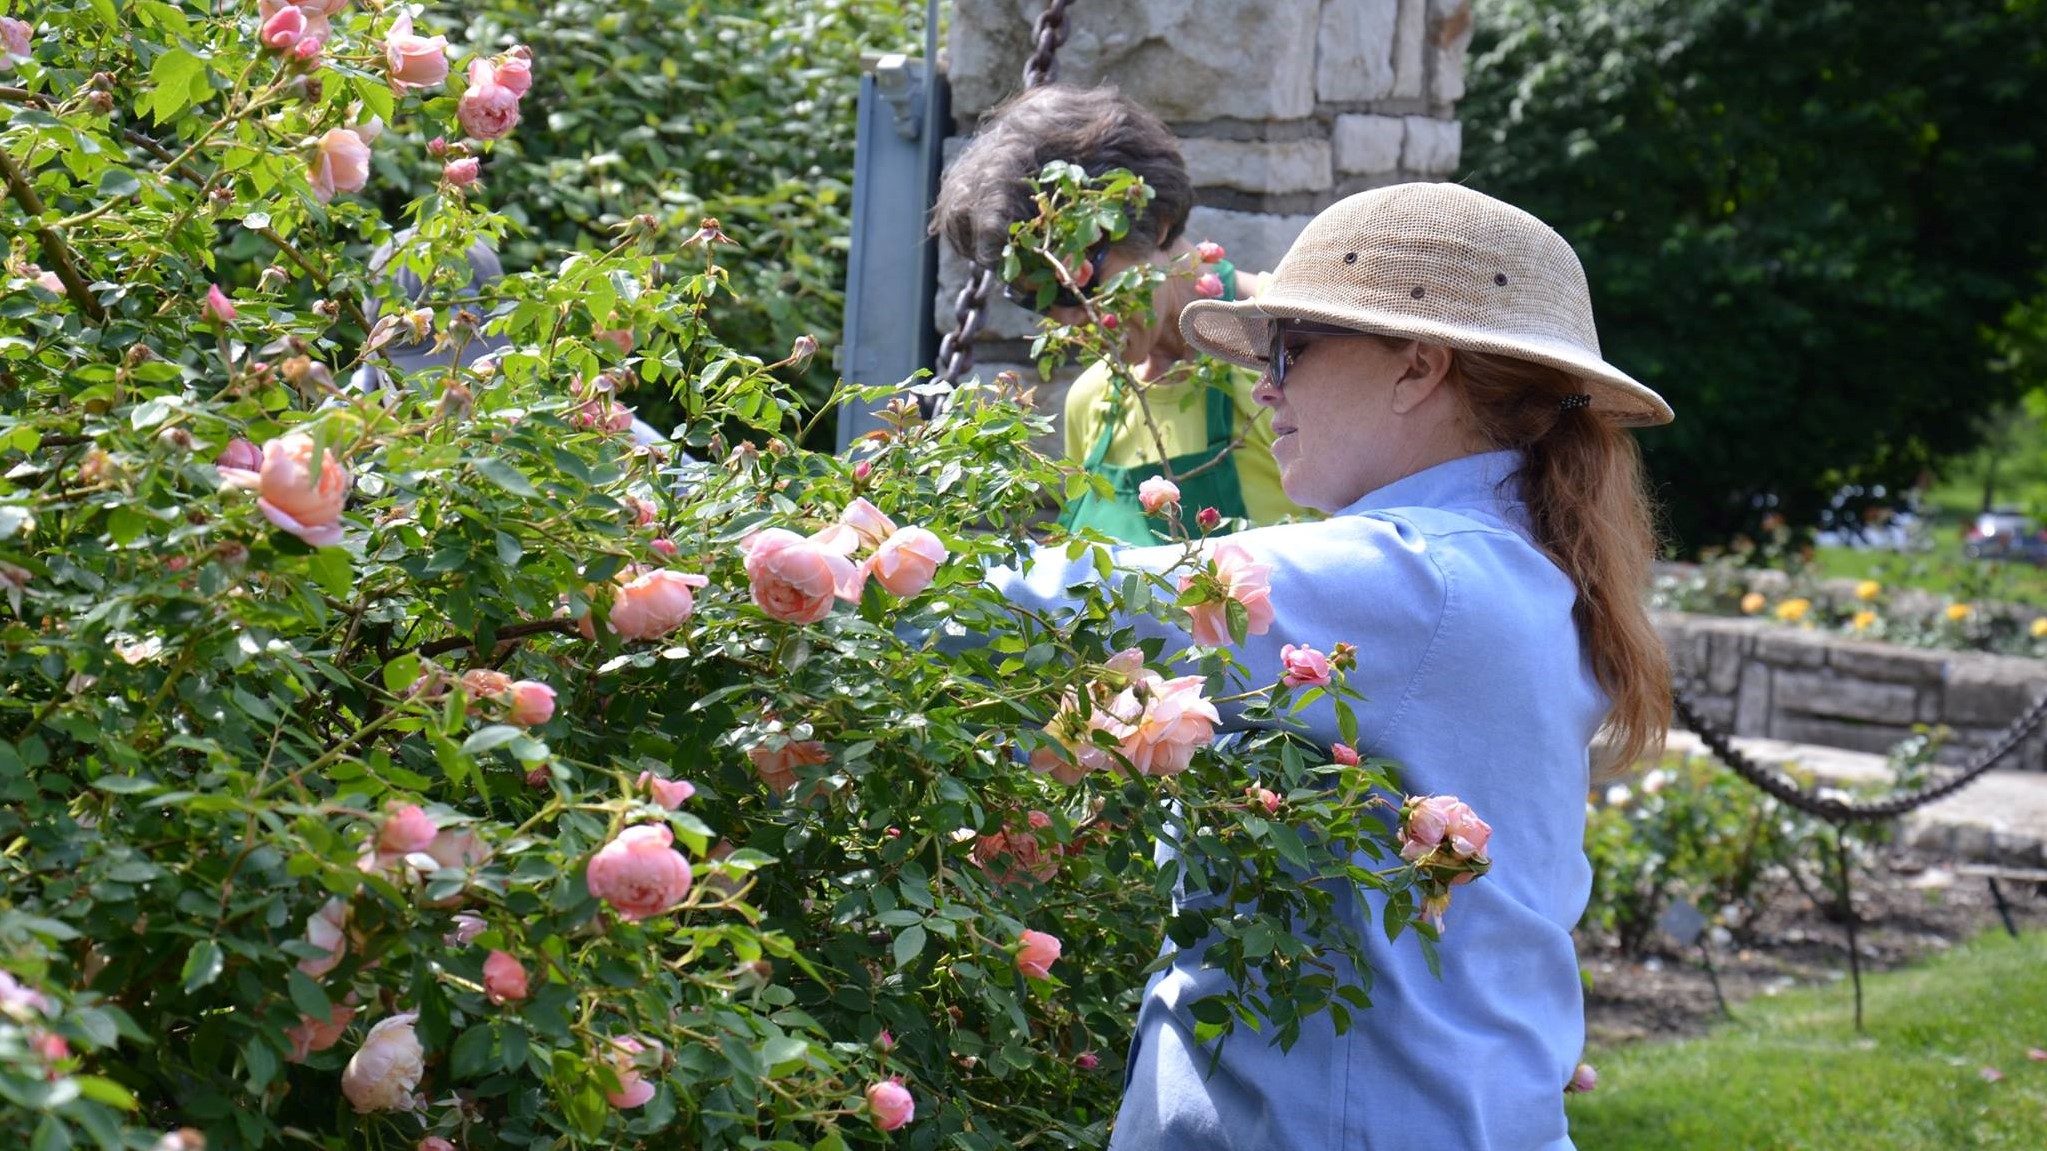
(1440, 263)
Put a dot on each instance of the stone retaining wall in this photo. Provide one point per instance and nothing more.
(1762, 678)
(1282, 108)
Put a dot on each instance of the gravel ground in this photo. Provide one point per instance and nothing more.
(1910, 906)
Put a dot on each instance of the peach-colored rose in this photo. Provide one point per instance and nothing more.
(1007, 856)
(341, 163)
(795, 579)
(1244, 580)
(515, 71)
(504, 978)
(384, 1071)
(483, 683)
(650, 604)
(312, 1034)
(290, 497)
(891, 1104)
(406, 830)
(1154, 494)
(532, 703)
(1037, 954)
(1170, 720)
(669, 793)
(284, 28)
(16, 42)
(630, 1053)
(777, 766)
(1437, 821)
(1304, 666)
(416, 61)
(489, 109)
(326, 929)
(640, 873)
(620, 338)
(458, 847)
(863, 523)
(462, 173)
(907, 561)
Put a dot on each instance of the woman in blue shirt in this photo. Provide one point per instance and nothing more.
(1435, 384)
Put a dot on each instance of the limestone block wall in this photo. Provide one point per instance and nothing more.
(1760, 678)
(1282, 107)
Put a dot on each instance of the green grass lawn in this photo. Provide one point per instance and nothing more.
(1790, 1074)
(1943, 571)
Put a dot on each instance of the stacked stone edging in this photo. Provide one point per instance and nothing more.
(1762, 678)
(1282, 107)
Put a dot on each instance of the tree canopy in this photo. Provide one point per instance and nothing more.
(1806, 224)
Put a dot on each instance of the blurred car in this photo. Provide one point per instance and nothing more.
(1872, 518)
(2005, 534)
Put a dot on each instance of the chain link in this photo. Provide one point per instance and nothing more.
(970, 307)
(1839, 811)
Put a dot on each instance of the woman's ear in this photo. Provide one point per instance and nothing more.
(1428, 365)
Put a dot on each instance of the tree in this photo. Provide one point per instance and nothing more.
(1800, 220)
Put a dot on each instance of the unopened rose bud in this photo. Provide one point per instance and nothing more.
(175, 438)
(537, 779)
(862, 471)
(462, 173)
(327, 308)
(139, 354)
(216, 307)
(437, 147)
(101, 102)
(1208, 519)
(1087, 1061)
(1343, 656)
(307, 375)
(307, 50)
(1110, 322)
(665, 546)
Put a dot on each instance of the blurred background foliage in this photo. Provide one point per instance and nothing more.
(1814, 226)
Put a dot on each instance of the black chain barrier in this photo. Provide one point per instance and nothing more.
(1838, 811)
(970, 307)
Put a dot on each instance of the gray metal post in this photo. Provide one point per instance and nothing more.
(893, 266)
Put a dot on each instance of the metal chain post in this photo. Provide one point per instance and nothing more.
(970, 307)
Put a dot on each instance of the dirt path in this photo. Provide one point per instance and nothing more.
(1912, 906)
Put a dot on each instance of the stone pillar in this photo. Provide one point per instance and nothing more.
(1282, 107)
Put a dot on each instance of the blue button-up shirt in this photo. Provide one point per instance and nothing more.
(1476, 683)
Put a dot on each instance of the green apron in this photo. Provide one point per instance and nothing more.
(1120, 516)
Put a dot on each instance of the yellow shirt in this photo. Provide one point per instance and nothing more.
(1178, 412)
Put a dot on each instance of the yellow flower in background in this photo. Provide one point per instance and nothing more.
(1957, 612)
(1793, 610)
(1868, 590)
(2039, 628)
(1752, 603)
(1863, 621)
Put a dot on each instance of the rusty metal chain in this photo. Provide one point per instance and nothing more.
(1839, 811)
(970, 307)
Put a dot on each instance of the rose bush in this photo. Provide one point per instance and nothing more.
(330, 814)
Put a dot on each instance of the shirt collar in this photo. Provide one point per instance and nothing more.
(1478, 482)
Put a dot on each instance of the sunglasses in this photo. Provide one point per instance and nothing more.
(1279, 357)
(1025, 291)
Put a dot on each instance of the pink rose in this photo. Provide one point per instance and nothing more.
(1305, 667)
(416, 61)
(1209, 251)
(777, 766)
(669, 793)
(283, 29)
(435, 1143)
(1344, 754)
(629, 1054)
(1243, 579)
(312, 1034)
(1171, 720)
(384, 1071)
(1209, 284)
(603, 414)
(17, 998)
(795, 579)
(515, 71)
(639, 874)
(907, 561)
(458, 848)
(866, 522)
(313, 12)
(651, 604)
(1435, 821)
(1087, 1061)
(467, 928)
(488, 110)
(462, 173)
(49, 281)
(1156, 493)
(620, 338)
(406, 830)
(243, 458)
(891, 1103)
(1583, 1078)
(15, 42)
(1207, 519)
(326, 929)
(532, 703)
(323, 8)
(218, 308)
(341, 164)
(1264, 797)
(644, 511)
(308, 48)
(665, 546)
(504, 979)
(1038, 953)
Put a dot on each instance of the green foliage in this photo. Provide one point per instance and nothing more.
(215, 710)
(1791, 1072)
(1798, 220)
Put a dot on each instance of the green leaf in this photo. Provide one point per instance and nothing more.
(1239, 617)
(202, 965)
(400, 673)
(307, 996)
(117, 182)
(1288, 842)
(470, 1056)
(783, 1049)
(105, 1091)
(176, 80)
(334, 571)
(125, 784)
(505, 476)
(490, 738)
(910, 944)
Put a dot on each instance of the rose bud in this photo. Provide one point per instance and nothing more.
(462, 173)
(532, 703)
(1037, 954)
(217, 309)
(891, 1104)
(1157, 493)
(1208, 519)
(504, 978)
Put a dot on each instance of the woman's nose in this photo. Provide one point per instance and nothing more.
(1267, 392)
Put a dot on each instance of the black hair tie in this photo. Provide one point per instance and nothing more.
(1573, 402)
